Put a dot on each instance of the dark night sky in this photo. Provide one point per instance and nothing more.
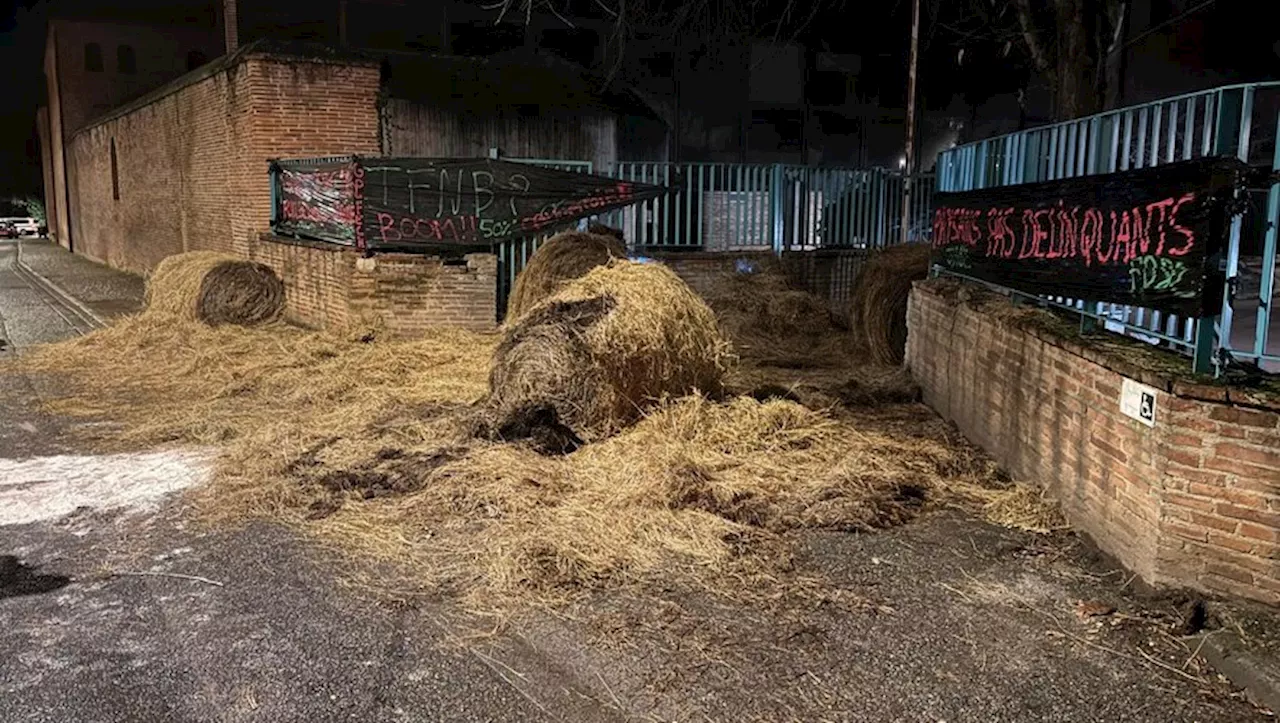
(22, 31)
(877, 31)
(21, 44)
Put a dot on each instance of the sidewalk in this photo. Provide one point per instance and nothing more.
(108, 293)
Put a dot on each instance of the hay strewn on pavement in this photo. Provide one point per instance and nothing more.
(369, 445)
(156, 379)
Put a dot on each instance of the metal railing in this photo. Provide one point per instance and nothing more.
(1237, 120)
(735, 207)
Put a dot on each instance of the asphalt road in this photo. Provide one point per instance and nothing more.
(27, 316)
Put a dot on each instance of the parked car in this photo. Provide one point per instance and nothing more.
(8, 230)
(25, 225)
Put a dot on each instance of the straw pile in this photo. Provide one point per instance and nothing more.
(561, 258)
(605, 347)
(215, 288)
(697, 491)
(878, 303)
(771, 323)
(384, 465)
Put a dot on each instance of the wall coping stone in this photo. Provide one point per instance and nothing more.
(294, 51)
(1147, 364)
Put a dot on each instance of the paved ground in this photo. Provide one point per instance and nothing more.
(27, 315)
(115, 607)
(107, 292)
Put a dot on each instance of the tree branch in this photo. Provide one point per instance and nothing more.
(1030, 36)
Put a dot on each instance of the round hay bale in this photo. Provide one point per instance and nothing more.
(600, 229)
(878, 301)
(561, 258)
(607, 346)
(215, 288)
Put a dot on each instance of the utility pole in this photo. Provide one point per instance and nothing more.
(230, 26)
(342, 23)
(909, 167)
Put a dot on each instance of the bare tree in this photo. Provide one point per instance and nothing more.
(694, 22)
(1068, 42)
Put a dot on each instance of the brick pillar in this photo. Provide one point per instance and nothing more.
(230, 25)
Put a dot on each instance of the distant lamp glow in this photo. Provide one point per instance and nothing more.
(902, 162)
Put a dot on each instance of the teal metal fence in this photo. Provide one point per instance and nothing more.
(744, 207)
(739, 206)
(1236, 120)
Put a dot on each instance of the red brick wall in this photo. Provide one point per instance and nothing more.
(291, 108)
(1193, 501)
(1221, 521)
(411, 293)
(328, 286)
(192, 163)
(317, 280)
(171, 166)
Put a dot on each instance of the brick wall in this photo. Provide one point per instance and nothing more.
(411, 293)
(171, 166)
(191, 158)
(329, 286)
(1194, 500)
(287, 107)
(317, 279)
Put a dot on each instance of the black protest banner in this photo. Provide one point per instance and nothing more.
(459, 204)
(1152, 237)
(317, 201)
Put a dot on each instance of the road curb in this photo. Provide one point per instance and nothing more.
(88, 315)
(1260, 678)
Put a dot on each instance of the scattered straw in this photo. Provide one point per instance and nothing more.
(368, 444)
(161, 380)
(697, 490)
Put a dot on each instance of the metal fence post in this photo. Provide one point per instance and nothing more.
(273, 172)
(775, 208)
(1231, 134)
(1266, 291)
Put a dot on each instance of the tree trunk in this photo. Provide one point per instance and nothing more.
(1076, 67)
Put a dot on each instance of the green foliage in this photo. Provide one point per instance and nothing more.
(33, 205)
